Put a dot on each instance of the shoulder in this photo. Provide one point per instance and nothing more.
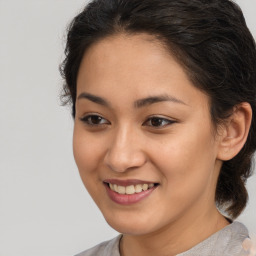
(248, 242)
(227, 242)
(107, 248)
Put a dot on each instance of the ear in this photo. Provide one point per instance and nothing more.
(235, 131)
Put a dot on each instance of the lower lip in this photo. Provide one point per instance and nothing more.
(128, 199)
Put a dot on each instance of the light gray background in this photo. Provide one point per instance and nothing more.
(44, 208)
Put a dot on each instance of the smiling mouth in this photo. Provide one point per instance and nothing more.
(128, 192)
(131, 189)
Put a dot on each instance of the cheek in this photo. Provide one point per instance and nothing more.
(87, 157)
(187, 160)
(86, 152)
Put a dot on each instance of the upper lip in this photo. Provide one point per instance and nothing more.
(128, 182)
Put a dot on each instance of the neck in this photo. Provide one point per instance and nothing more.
(176, 237)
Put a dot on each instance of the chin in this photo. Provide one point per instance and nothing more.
(131, 225)
(128, 228)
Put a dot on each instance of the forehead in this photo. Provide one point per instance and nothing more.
(126, 53)
(135, 65)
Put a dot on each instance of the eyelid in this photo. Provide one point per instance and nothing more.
(85, 118)
(169, 121)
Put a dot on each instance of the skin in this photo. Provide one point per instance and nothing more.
(181, 153)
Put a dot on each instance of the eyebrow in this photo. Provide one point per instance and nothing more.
(93, 98)
(155, 99)
(137, 104)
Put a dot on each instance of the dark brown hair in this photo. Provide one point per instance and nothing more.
(209, 38)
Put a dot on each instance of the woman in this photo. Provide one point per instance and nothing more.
(163, 95)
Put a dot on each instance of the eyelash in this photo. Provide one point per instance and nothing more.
(161, 119)
(88, 121)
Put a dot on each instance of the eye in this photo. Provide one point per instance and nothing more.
(158, 122)
(94, 120)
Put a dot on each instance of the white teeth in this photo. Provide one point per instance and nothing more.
(138, 188)
(151, 185)
(130, 190)
(121, 190)
(145, 187)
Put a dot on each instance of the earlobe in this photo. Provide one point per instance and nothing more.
(235, 131)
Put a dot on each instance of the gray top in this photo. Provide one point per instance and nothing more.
(226, 242)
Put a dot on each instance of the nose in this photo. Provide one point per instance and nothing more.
(125, 151)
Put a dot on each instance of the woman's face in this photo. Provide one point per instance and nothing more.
(143, 138)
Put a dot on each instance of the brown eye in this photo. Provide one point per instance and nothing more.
(158, 122)
(94, 120)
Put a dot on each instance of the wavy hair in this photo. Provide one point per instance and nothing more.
(211, 41)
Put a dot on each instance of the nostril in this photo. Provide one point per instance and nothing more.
(123, 160)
